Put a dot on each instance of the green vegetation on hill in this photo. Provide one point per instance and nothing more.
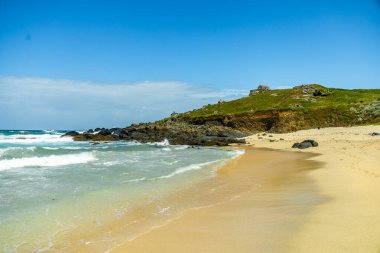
(288, 99)
(301, 107)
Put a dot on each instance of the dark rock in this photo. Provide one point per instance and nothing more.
(90, 131)
(177, 133)
(296, 145)
(305, 144)
(313, 142)
(317, 93)
(71, 133)
(116, 131)
(105, 132)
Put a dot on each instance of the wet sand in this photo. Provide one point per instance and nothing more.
(266, 197)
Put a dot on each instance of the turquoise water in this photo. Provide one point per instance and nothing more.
(52, 187)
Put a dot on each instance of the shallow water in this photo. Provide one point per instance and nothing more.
(53, 189)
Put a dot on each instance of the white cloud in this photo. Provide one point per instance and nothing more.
(68, 104)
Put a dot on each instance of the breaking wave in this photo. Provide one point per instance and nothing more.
(47, 161)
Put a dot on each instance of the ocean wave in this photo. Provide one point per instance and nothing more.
(49, 131)
(46, 161)
(74, 148)
(110, 163)
(66, 148)
(50, 148)
(181, 147)
(163, 143)
(199, 166)
(191, 167)
(238, 152)
(4, 151)
(33, 139)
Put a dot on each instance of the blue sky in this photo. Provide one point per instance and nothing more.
(66, 54)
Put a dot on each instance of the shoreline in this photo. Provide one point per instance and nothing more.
(259, 192)
(338, 212)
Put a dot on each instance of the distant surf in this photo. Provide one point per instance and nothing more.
(47, 161)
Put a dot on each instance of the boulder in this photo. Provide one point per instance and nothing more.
(71, 133)
(317, 92)
(105, 132)
(305, 144)
(116, 131)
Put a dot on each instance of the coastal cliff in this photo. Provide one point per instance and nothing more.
(276, 111)
(287, 110)
(283, 121)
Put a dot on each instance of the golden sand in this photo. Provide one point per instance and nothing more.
(270, 195)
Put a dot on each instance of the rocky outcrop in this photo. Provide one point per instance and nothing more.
(260, 89)
(314, 90)
(72, 133)
(283, 121)
(176, 133)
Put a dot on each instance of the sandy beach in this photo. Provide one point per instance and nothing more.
(262, 199)
(321, 199)
(350, 178)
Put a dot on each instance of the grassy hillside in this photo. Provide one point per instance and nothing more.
(292, 109)
(287, 99)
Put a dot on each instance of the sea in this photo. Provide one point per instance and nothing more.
(59, 195)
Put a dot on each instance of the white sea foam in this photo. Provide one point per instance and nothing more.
(136, 180)
(75, 148)
(46, 161)
(50, 148)
(110, 163)
(33, 139)
(163, 143)
(239, 152)
(3, 151)
(162, 210)
(199, 166)
(49, 131)
(189, 168)
(181, 147)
